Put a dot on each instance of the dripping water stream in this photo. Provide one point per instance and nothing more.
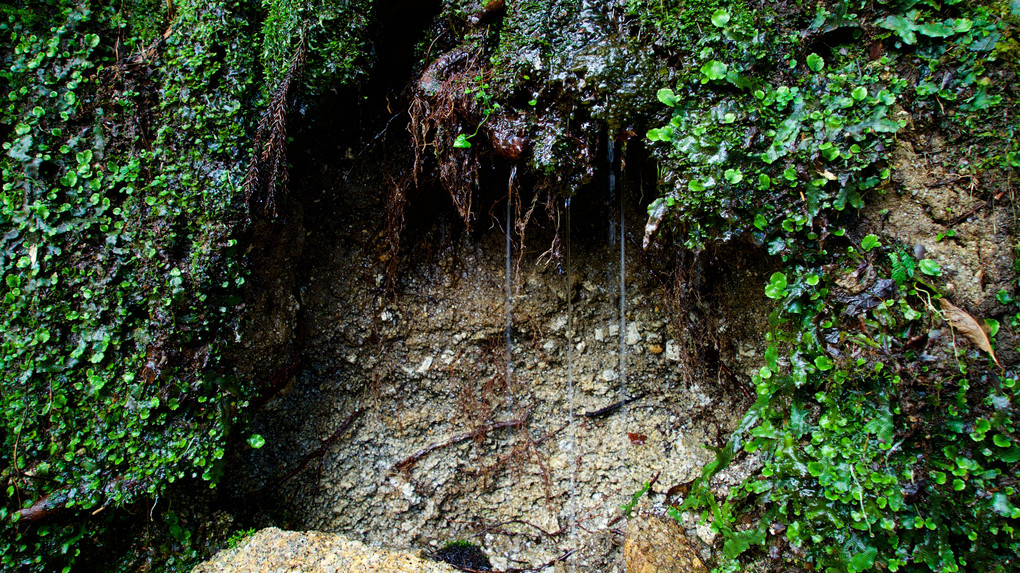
(622, 286)
(509, 294)
(571, 500)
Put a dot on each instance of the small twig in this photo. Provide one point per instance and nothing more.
(428, 52)
(416, 457)
(613, 408)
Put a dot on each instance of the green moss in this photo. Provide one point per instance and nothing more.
(332, 30)
(121, 251)
(142, 20)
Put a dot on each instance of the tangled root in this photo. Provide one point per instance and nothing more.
(442, 109)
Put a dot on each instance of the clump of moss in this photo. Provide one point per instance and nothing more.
(464, 554)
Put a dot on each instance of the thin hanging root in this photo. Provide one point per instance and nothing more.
(522, 226)
(519, 449)
(441, 109)
(395, 211)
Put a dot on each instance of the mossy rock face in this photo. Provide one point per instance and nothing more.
(551, 81)
(591, 75)
(127, 132)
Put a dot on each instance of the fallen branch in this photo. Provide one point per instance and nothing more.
(49, 508)
(52, 507)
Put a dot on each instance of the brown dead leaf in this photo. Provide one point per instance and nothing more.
(968, 327)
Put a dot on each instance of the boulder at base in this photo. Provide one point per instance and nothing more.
(275, 550)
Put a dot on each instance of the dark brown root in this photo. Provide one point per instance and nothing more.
(410, 461)
(441, 111)
(267, 171)
(395, 205)
(683, 299)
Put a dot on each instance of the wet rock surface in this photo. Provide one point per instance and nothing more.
(441, 444)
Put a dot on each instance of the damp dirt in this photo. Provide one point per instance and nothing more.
(399, 426)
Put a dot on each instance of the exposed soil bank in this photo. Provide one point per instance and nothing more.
(424, 366)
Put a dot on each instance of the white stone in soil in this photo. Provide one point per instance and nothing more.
(558, 324)
(633, 334)
(426, 363)
(672, 351)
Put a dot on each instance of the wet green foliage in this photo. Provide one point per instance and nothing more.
(877, 449)
(125, 136)
(873, 450)
(774, 151)
(119, 266)
(781, 151)
(333, 31)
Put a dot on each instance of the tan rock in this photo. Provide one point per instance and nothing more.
(655, 348)
(275, 551)
(659, 545)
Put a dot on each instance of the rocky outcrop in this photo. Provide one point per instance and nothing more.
(277, 551)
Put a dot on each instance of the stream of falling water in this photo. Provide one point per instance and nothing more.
(613, 229)
(509, 300)
(571, 500)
